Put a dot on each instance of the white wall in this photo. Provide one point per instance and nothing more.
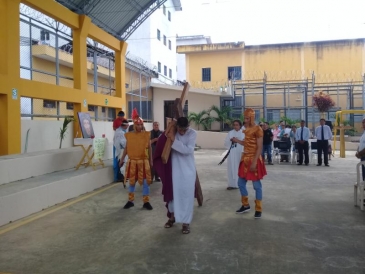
(197, 102)
(210, 140)
(144, 43)
(44, 135)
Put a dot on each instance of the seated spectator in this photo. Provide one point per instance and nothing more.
(285, 138)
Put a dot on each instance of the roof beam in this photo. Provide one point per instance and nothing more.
(56, 11)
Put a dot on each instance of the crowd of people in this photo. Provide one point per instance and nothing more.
(138, 158)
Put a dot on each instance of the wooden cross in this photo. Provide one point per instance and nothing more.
(171, 126)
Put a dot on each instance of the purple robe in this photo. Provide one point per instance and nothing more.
(163, 170)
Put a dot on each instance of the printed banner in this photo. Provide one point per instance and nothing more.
(99, 148)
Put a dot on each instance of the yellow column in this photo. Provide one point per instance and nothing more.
(10, 123)
(120, 75)
(80, 66)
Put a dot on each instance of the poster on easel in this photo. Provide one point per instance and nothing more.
(86, 125)
(99, 148)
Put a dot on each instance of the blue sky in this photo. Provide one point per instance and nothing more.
(272, 21)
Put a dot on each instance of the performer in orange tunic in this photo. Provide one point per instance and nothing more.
(252, 166)
(139, 162)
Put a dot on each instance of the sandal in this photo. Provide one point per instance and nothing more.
(230, 188)
(170, 223)
(185, 229)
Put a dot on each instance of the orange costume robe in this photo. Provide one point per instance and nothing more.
(138, 165)
(250, 148)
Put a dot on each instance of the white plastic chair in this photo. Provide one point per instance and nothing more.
(359, 187)
(313, 151)
(295, 153)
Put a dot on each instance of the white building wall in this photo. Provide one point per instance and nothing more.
(198, 100)
(144, 43)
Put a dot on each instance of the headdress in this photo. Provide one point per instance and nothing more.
(250, 113)
(135, 117)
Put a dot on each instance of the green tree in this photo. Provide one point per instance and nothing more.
(201, 118)
(289, 121)
(222, 115)
(63, 129)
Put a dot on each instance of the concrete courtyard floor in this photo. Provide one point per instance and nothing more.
(309, 225)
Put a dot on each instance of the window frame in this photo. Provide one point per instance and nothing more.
(205, 75)
(239, 76)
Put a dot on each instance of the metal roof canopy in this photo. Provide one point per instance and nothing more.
(120, 18)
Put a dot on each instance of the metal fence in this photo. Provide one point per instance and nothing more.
(273, 100)
(46, 55)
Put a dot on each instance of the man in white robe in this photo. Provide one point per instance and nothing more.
(183, 175)
(234, 157)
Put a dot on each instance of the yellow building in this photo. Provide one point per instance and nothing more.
(14, 87)
(288, 75)
(43, 70)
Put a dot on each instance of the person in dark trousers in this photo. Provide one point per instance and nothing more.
(116, 124)
(323, 134)
(267, 142)
(155, 133)
(302, 137)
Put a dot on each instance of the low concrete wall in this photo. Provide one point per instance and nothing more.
(25, 202)
(44, 135)
(211, 140)
(348, 146)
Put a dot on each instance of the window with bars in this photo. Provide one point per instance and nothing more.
(257, 115)
(159, 67)
(206, 74)
(165, 70)
(158, 34)
(49, 104)
(294, 114)
(70, 106)
(273, 115)
(234, 73)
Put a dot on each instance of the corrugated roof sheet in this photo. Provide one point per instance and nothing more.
(117, 17)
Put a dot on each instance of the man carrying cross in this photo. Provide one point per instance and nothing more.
(177, 169)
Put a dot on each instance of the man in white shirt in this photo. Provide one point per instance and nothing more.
(360, 153)
(302, 137)
(323, 134)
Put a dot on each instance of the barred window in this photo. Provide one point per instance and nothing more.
(234, 73)
(206, 77)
